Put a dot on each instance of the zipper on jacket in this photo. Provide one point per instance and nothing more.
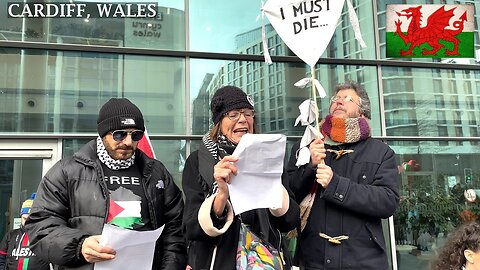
(147, 174)
(98, 167)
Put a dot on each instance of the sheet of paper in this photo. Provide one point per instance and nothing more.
(258, 183)
(134, 249)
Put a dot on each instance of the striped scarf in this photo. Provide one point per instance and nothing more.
(217, 150)
(345, 130)
(211, 146)
(220, 148)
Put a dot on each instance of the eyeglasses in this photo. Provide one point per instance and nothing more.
(345, 99)
(120, 135)
(235, 114)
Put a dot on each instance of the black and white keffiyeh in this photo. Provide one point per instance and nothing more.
(211, 146)
(111, 163)
(217, 150)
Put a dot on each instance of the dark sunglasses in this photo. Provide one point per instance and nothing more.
(120, 135)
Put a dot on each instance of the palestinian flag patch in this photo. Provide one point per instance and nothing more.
(125, 209)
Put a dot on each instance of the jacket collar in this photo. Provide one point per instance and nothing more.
(87, 153)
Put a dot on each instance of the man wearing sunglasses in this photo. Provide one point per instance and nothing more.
(108, 181)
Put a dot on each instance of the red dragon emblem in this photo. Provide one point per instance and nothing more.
(432, 33)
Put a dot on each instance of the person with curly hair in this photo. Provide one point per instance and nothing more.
(462, 249)
(349, 185)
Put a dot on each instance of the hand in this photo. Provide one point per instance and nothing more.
(223, 170)
(317, 152)
(324, 175)
(93, 252)
(222, 173)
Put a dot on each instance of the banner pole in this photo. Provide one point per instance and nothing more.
(314, 94)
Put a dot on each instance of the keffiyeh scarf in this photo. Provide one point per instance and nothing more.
(111, 163)
(217, 150)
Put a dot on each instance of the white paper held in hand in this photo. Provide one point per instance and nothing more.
(258, 183)
(134, 249)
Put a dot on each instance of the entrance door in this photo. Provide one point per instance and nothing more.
(23, 162)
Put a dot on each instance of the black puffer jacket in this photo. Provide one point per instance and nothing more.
(71, 204)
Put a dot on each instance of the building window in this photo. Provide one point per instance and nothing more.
(441, 117)
(474, 133)
(457, 118)
(454, 102)
(471, 119)
(469, 101)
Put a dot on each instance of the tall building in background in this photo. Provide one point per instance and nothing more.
(268, 85)
(201, 106)
(60, 91)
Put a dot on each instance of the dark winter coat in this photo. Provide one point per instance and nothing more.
(364, 189)
(71, 204)
(15, 253)
(201, 245)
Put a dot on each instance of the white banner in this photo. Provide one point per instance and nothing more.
(306, 26)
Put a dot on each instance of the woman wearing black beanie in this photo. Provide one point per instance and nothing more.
(212, 229)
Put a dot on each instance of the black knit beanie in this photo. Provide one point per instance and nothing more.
(119, 113)
(228, 98)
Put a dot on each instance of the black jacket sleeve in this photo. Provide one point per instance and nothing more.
(301, 179)
(50, 237)
(172, 239)
(379, 197)
(194, 197)
(4, 251)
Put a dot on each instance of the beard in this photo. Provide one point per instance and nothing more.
(348, 114)
(118, 151)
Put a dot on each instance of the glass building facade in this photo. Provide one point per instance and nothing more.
(55, 74)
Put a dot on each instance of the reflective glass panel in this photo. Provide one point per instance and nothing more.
(273, 91)
(432, 202)
(164, 31)
(18, 180)
(431, 102)
(233, 27)
(61, 92)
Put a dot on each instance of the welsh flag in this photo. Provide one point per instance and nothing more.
(125, 209)
(430, 31)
